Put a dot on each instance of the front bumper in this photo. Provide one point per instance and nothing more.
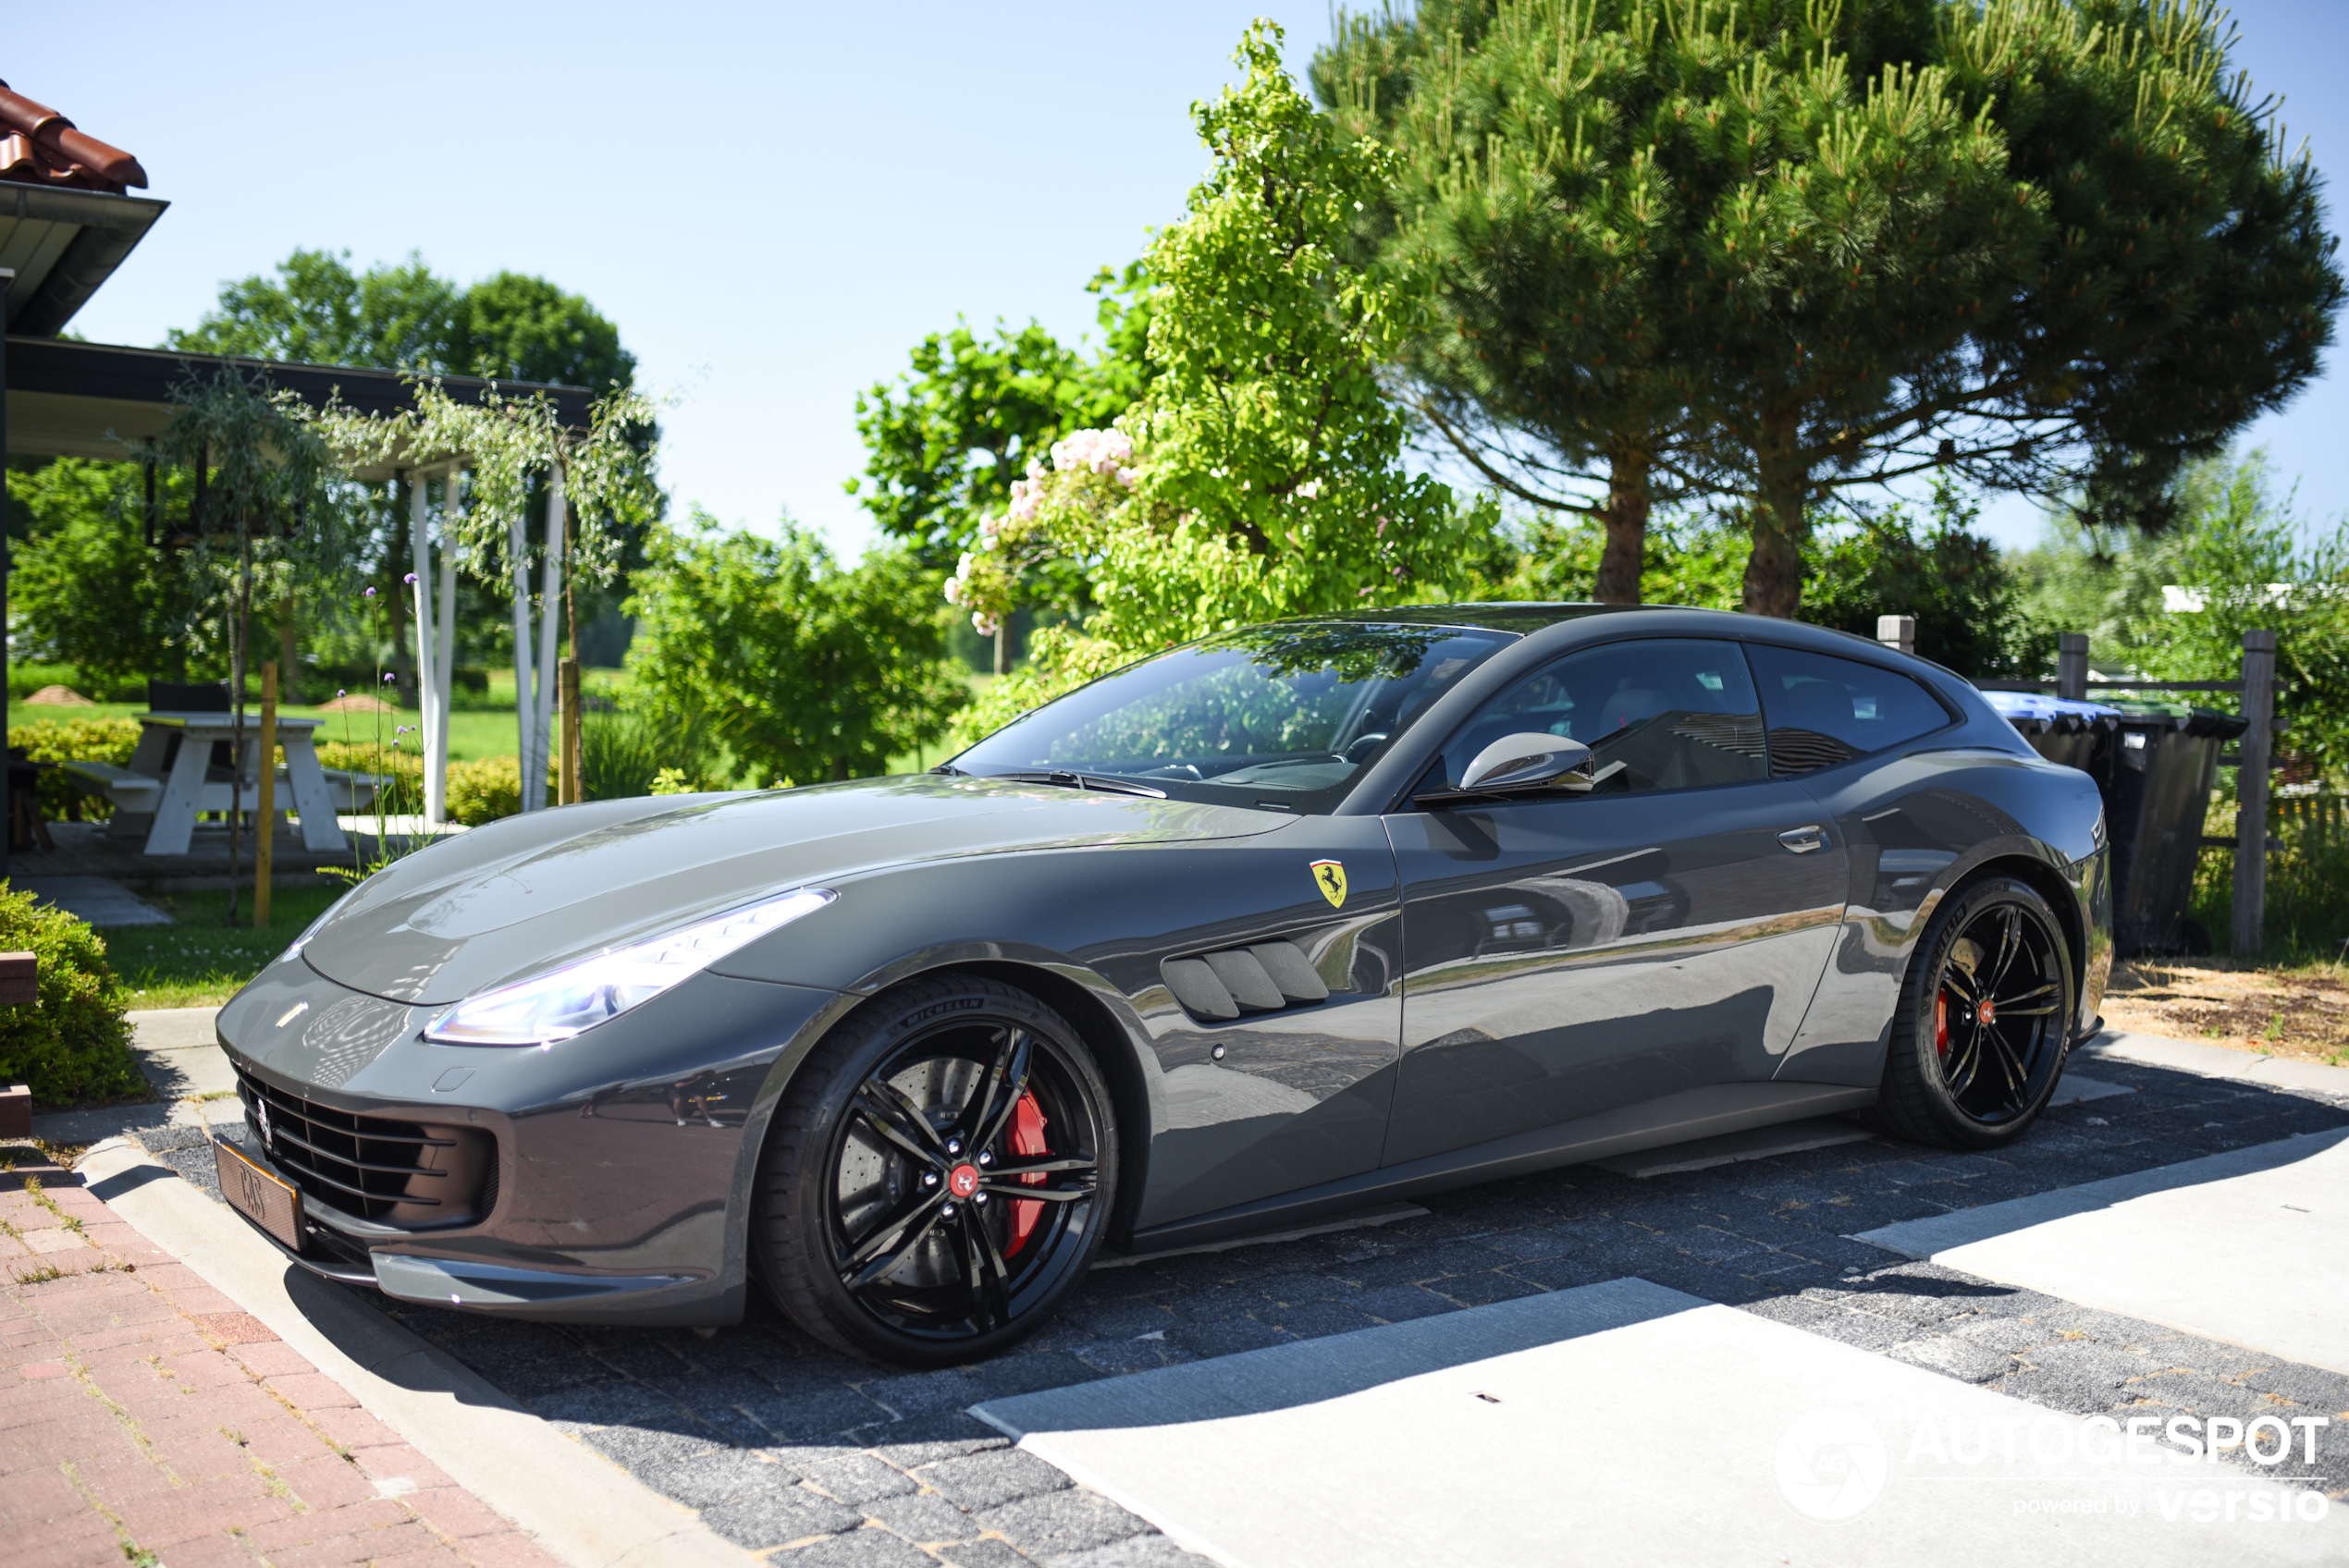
(624, 1159)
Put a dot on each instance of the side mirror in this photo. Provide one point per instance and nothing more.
(1529, 762)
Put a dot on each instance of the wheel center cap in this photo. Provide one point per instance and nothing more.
(963, 1181)
(1988, 1012)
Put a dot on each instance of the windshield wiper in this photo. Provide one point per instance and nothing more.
(1083, 781)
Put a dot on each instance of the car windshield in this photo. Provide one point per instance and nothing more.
(1284, 716)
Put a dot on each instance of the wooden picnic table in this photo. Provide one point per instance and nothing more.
(177, 796)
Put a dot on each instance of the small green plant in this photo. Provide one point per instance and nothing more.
(74, 1043)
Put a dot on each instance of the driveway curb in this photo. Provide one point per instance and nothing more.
(2218, 1061)
(579, 1507)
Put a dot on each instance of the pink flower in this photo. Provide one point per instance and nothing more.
(985, 625)
(368, 594)
(388, 678)
(411, 578)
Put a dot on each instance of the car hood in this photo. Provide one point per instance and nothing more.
(518, 897)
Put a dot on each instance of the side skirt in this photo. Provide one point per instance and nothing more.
(1669, 1118)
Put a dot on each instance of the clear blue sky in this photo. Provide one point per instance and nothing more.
(775, 203)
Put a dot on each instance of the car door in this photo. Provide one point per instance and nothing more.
(1570, 954)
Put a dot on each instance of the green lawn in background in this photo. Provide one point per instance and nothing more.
(474, 733)
(200, 959)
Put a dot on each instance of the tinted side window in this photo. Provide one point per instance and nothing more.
(1824, 710)
(1662, 713)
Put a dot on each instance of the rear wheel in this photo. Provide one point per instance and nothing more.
(1980, 1036)
(938, 1175)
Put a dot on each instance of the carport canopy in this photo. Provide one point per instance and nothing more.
(75, 399)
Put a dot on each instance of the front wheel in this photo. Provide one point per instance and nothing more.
(937, 1176)
(1980, 1036)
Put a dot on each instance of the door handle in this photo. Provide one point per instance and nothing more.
(1802, 840)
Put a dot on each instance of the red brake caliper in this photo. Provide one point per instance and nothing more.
(1941, 1022)
(1027, 1138)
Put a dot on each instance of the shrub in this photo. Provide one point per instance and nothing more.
(75, 1044)
(84, 739)
(485, 790)
(622, 755)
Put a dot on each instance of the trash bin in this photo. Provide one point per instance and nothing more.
(2157, 792)
(2075, 734)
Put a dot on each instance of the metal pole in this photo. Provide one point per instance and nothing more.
(2251, 792)
(265, 829)
(1897, 632)
(2072, 666)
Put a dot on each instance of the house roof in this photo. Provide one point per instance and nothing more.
(67, 218)
(40, 146)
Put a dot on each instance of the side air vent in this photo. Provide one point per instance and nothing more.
(1266, 977)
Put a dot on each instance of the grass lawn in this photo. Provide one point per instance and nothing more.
(200, 959)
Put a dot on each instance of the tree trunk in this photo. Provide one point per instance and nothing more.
(1774, 571)
(289, 676)
(403, 664)
(1621, 563)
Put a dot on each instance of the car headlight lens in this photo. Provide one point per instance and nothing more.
(562, 1003)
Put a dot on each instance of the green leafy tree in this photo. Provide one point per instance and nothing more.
(2028, 241)
(1968, 606)
(85, 589)
(515, 327)
(945, 443)
(1260, 475)
(802, 669)
(316, 311)
(2176, 606)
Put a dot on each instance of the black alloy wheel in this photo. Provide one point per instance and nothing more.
(938, 1174)
(1985, 1014)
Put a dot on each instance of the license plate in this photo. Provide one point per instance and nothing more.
(264, 1198)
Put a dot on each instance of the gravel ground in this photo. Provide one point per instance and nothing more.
(787, 1448)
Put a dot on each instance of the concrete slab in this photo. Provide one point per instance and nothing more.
(2250, 1247)
(580, 1506)
(2219, 1061)
(181, 1055)
(1759, 1143)
(1628, 1423)
(101, 900)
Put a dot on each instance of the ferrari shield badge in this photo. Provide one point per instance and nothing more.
(1329, 876)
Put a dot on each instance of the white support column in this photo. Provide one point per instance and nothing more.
(525, 715)
(445, 655)
(550, 604)
(431, 686)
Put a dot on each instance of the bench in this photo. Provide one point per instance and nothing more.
(138, 794)
(128, 791)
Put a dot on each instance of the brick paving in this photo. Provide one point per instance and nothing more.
(789, 1450)
(145, 1419)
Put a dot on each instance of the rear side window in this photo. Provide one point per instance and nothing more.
(1666, 712)
(1823, 710)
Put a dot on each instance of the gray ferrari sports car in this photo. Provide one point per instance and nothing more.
(1274, 925)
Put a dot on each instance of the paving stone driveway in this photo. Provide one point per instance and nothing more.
(785, 1446)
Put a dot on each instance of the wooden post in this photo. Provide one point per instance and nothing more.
(265, 820)
(2251, 792)
(1897, 632)
(567, 791)
(2072, 666)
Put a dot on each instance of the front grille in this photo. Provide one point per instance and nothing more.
(375, 1168)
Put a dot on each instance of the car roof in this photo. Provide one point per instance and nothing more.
(1517, 616)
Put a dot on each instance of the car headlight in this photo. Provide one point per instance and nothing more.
(562, 1002)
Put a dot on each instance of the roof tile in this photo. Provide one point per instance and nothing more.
(40, 146)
